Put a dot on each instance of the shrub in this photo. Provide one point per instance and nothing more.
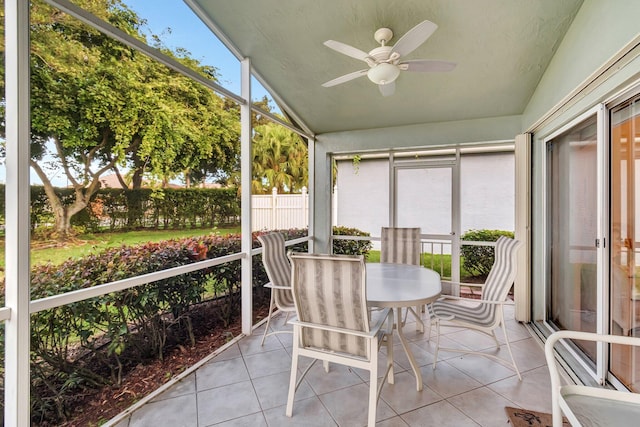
(478, 260)
(82, 346)
(351, 247)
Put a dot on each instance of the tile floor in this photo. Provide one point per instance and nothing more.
(246, 385)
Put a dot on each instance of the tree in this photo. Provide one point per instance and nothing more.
(280, 160)
(98, 105)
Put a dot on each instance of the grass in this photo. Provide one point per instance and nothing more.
(44, 252)
(439, 263)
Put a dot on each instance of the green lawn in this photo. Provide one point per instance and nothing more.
(439, 263)
(43, 252)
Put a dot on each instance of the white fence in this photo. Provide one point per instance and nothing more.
(280, 211)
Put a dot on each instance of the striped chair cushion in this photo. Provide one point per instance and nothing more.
(400, 245)
(496, 288)
(277, 265)
(330, 290)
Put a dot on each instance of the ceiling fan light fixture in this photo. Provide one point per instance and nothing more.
(383, 73)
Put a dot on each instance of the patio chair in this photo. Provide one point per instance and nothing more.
(590, 405)
(278, 270)
(487, 313)
(402, 246)
(333, 322)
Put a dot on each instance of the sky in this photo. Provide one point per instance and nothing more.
(178, 27)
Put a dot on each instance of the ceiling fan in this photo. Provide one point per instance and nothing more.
(385, 62)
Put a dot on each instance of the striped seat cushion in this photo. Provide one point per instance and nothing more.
(479, 314)
(330, 290)
(277, 265)
(400, 245)
(496, 288)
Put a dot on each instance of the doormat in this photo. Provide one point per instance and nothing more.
(526, 418)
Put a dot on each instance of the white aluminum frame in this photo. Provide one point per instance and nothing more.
(601, 233)
(18, 307)
(616, 400)
(449, 162)
(17, 290)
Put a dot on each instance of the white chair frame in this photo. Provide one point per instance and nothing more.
(374, 338)
(497, 321)
(279, 280)
(623, 405)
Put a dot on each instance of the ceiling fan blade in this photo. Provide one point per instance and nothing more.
(427, 65)
(345, 78)
(347, 50)
(414, 38)
(387, 89)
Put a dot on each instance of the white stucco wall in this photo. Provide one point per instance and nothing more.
(486, 196)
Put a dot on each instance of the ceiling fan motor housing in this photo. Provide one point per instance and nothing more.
(381, 54)
(383, 35)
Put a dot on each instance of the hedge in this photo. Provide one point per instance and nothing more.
(83, 346)
(125, 209)
(478, 260)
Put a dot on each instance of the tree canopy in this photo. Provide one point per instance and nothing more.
(280, 160)
(98, 105)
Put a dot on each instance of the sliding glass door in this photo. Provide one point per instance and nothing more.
(625, 238)
(572, 230)
(593, 235)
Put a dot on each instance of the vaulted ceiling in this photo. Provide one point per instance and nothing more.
(501, 47)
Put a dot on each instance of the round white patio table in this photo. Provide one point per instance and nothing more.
(398, 286)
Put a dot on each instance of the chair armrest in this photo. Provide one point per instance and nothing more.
(372, 333)
(469, 285)
(620, 402)
(272, 286)
(381, 317)
(448, 286)
(480, 301)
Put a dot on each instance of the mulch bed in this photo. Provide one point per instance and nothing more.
(95, 408)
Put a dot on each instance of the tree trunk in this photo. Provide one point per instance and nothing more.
(136, 179)
(64, 213)
(63, 222)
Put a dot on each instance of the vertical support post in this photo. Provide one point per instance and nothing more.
(311, 150)
(392, 191)
(456, 218)
(274, 208)
(522, 286)
(334, 205)
(245, 198)
(17, 328)
(304, 208)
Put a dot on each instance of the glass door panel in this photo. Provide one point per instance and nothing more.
(424, 198)
(572, 301)
(625, 238)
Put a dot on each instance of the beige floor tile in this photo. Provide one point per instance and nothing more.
(226, 403)
(480, 368)
(448, 381)
(441, 414)
(273, 390)
(216, 374)
(403, 396)
(338, 377)
(483, 406)
(179, 411)
(268, 363)
(183, 387)
(349, 406)
(251, 420)
(247, 385)
(533, 392)
(308, 413)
